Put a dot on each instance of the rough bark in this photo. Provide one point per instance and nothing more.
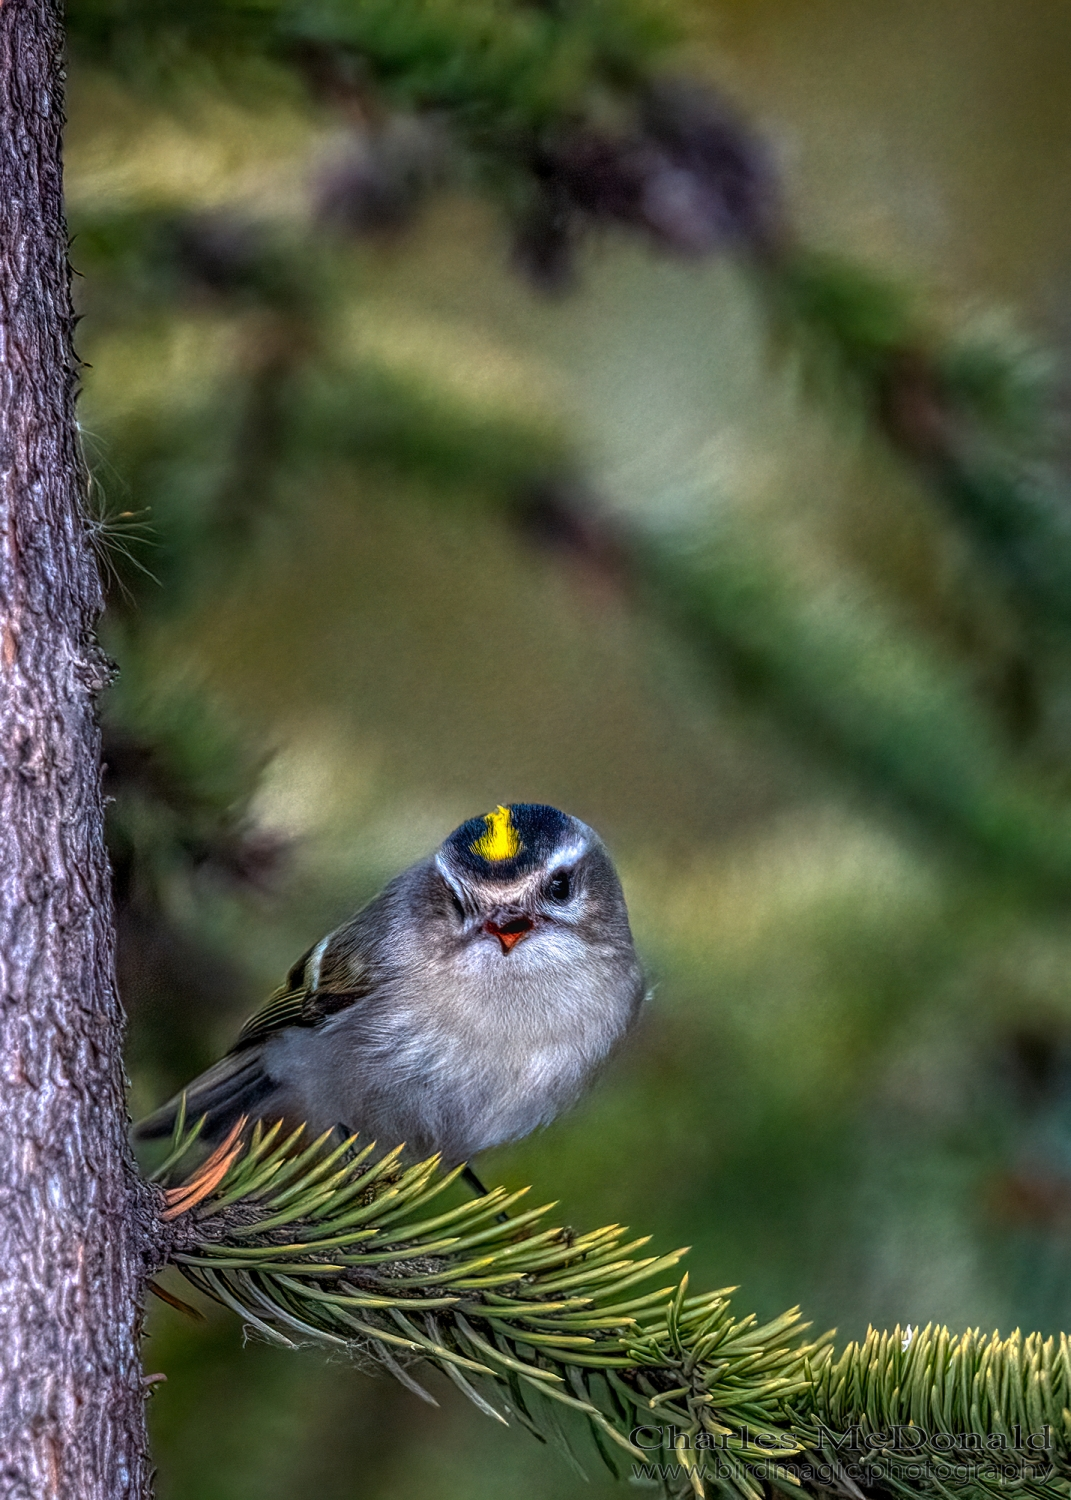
(75, 1228)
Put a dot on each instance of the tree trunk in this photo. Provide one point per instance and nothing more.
(76, 1228)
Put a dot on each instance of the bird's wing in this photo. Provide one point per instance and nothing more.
(283, 1007)
(324, 980)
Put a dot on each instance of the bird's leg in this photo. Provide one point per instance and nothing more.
(481, 1192)
(474, 1182)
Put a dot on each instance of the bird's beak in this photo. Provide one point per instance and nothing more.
(510, 932)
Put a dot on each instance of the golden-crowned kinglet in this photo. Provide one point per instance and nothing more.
(466, 1005)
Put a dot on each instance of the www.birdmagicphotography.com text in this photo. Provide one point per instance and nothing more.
(907, 1454)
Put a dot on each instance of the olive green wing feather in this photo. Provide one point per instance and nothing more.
(328, 978)
(333, 975)
(283, 1007)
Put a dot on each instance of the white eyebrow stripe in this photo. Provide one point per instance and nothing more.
(316, 958)
(567, 856)
(440, 865)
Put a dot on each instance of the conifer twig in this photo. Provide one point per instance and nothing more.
(331, 1246)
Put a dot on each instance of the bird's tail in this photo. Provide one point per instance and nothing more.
(235, 1086)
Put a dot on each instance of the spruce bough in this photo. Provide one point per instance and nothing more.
(326, 1244)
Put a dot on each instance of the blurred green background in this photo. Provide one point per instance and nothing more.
(813, 695)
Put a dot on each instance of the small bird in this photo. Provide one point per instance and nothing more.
(466, 1005)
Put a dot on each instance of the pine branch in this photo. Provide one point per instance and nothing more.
(495, 64)
(928, 1397)
(974, 416)
(867, 691)
(328, 1245)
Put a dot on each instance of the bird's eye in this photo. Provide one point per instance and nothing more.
(457, 905)
(560, 886)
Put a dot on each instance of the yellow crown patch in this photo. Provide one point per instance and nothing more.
(501, 841)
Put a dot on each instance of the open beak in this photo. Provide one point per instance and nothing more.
(509, 933)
